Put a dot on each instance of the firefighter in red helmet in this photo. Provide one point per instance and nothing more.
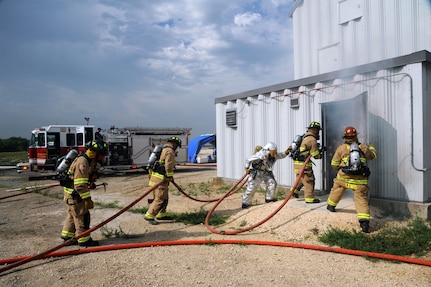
(163, 171)
(350, 161)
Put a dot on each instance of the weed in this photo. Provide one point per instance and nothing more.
(113, 233)
(413, 239)
(107, 205)
(315, 231)
(141, 210)
(198, 218)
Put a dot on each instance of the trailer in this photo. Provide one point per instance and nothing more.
(131, 146)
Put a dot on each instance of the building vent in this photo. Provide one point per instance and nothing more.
(294, 103)
(231, 118)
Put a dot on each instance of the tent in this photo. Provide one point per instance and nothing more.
(196, 144)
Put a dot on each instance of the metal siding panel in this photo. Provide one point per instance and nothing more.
(387, 28)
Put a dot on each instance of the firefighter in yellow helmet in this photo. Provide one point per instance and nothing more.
(77, 195)
(163, 172)
(309, 146)
(350, 161)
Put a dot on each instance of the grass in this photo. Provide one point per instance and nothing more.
(412, 239)
(12, 158)
(188, 217)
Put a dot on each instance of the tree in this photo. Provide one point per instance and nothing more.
(13, 144)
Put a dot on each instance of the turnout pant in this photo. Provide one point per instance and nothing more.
(308, 181)
(253, 183)
(77, 220)
(360, 196)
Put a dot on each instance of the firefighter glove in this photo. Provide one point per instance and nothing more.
(169, 178)
(92, 185)
(89, 204)
(247, 170)
(289, 149)
(322, 149)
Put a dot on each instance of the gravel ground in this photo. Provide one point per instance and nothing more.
(31, 224)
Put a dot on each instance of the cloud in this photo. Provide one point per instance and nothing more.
(135, 63)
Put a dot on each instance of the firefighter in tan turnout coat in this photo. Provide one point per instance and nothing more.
(350, 161)
(77, 195)
(162, 172)
(309, 146)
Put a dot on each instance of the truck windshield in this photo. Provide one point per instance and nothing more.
(40, 140)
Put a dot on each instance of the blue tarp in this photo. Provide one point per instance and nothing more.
(196, 144)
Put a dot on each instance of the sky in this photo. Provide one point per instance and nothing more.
(136, 63)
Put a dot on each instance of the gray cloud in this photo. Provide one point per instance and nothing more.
(135, 63)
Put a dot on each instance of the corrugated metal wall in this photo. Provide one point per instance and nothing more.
(331, 35)
(395, 127)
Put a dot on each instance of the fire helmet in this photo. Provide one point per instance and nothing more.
(350, 132)
(271, 149)
(314, 125)
(176, 140)
(98, 146)
(270, 146)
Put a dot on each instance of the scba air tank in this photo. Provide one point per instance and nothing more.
(296, 143)
(154, 155)
(67, 161)
(355, 157)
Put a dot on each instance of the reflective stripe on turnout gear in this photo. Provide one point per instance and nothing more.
(301, 163)
(157, 175)
(366, 216)
(351, 182)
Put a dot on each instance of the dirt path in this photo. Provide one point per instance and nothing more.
(31, 223)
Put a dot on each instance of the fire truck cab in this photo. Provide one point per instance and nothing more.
(49, 143)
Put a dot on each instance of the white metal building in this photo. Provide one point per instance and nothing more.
(364, 63)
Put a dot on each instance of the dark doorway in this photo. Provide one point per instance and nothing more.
(336, 116)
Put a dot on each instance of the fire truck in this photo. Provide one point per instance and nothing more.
(129, 148)
(49, 143)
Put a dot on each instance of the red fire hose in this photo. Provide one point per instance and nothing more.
(29, 189)
(216, 231)
(213, 241)
(86, 233)
(231, 191)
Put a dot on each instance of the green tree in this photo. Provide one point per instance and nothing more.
(13, 144)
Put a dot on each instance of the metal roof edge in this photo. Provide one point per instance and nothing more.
(416, 57)
(295, 5)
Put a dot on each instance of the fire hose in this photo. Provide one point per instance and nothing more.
(237, 186)
(224, 241)
(224, 232)
(30, 189)
(83, 234)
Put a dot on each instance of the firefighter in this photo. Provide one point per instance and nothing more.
(309, 146)
(259, 167)
(77, 196)
(162, 172)
(350, 162)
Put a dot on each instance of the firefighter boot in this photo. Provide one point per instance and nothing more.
(89, 242)
(365, 225)
(331, 208)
